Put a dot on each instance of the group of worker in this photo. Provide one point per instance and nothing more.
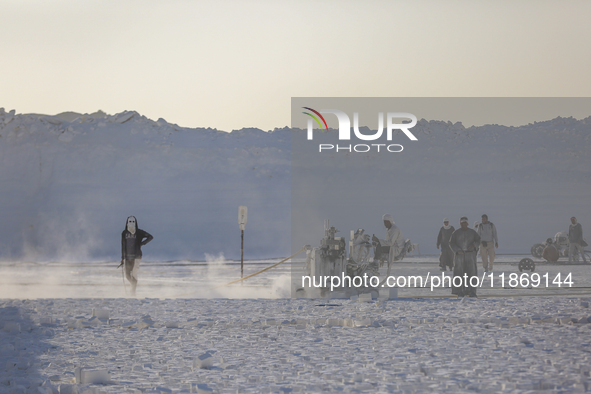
(576, 244)
(459, 249)
(486, 243)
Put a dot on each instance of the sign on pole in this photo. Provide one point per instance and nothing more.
(242, 211)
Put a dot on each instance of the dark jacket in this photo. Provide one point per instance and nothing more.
(444, 236)
(464, 240)
(575, 233)
(142, 238)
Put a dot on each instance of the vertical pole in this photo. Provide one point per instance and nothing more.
(242, 210)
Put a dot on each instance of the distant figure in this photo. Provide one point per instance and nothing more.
(394, 239)
(488, 242)
(132, 240)
(476, 224)
(446, 258)
(463, 243)
(575, 239)
(550, 252)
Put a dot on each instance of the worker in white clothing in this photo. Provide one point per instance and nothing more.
(488, 243)
(394, 238)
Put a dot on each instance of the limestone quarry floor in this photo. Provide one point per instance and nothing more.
(517, 344)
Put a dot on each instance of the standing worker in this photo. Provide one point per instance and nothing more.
(575, 240)
(394, 239)
(446, 258)
(488, 242)
(132, 240)
(464, 242)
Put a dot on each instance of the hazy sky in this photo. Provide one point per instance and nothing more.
(234, 64)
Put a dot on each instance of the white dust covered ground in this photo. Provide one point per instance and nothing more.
(254, 338)
(296, 345)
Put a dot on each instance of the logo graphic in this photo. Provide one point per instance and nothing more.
(315, 118)
(345, 129)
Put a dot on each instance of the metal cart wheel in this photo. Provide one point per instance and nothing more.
(537, 250)
(526, 264)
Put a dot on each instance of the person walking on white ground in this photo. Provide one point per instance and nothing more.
(132, 240)
(575, 239)
(463, 243)
(488, 242)
(446, 258)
